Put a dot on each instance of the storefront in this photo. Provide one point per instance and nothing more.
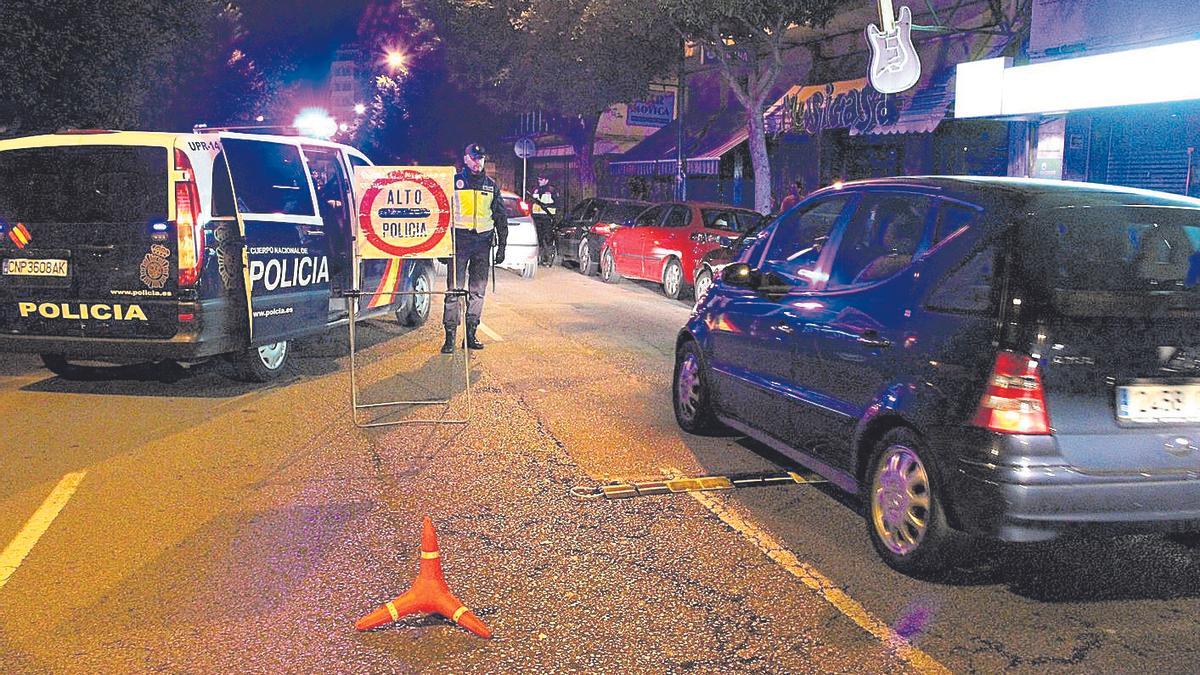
(1089, 106)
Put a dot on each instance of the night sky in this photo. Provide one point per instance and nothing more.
(310, 30)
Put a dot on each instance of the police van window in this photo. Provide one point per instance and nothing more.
(268, 177)
(799, 238)
(222, 198)
(356, 161)
(84, 184)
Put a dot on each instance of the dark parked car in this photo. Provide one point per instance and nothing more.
(1006, 357)
(581, 233)
(665, 243)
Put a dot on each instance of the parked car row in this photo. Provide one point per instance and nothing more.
(1001, 357)
(679, 245)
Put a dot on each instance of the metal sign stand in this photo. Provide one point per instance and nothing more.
(352, 298)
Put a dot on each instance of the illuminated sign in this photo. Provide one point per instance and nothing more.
(993, 88)
(895, 66)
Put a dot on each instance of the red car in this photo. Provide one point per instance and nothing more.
(665, 243)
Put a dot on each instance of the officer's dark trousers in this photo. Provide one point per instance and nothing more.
(469, 269)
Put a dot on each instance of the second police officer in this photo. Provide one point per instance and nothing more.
(479, 221)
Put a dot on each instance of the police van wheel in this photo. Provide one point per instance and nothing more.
(416, 311)
(263, 364)
(65, 369)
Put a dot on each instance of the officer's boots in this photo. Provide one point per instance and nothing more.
(472, 341)
(448, 345)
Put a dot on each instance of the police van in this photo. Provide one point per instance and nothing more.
(135, 246)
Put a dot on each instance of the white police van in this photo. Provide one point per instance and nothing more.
(136, 246)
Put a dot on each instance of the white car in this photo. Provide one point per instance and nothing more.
(521, 251)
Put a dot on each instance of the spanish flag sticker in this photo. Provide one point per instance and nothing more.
(19, 235)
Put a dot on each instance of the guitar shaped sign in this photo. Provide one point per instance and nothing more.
(895, 66)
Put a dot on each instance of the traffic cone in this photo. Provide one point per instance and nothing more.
(428, 594)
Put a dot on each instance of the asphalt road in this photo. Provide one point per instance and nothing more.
(221, 527)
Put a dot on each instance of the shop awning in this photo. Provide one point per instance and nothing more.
(706, 140)
(923, 111)
(708, 136)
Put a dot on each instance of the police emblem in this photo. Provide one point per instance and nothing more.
(155, 267)
(460, 184)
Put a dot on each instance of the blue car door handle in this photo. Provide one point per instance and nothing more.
(870, 338)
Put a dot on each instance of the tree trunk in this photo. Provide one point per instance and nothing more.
(759, 159)
(584, 143)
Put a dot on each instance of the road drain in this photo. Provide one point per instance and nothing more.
(649, 488)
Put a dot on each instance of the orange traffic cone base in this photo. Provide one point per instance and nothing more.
(428, 594)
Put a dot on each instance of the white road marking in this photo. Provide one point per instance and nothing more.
(38, 523)
(814, 579)
(490, 333)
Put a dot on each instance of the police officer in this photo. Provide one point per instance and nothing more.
(546, 195)
(479, 221)
(545, 215)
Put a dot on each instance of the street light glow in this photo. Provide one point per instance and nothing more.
(359, 108)
(397, 60)
(315, 122)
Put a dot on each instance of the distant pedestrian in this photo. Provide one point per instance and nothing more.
(794, 196)
(479, 221)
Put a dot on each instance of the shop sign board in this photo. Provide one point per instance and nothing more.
(849, 104)
(656, 111)
(404, 211)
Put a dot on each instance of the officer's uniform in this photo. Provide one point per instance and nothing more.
(479, 217)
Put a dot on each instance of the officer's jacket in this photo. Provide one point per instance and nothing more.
(478, 206)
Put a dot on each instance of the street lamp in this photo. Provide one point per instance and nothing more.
(397, 60)
(359, 109)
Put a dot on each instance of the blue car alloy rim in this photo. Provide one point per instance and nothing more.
(688, 389)
(900, 500)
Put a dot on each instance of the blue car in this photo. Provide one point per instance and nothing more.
(1012, 358)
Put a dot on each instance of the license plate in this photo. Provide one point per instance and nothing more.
(1159, 403)
(35, 267)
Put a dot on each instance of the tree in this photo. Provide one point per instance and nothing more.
(574, 58)
(115, 64)
(747, 38)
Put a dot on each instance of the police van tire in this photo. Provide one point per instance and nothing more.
(262, 364)
(63, 368)
(416, 311)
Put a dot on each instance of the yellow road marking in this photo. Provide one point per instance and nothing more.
(812, 577)
(490, 333)
(13, 554)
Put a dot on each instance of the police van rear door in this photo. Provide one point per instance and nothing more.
(287, 267)
(86, 247)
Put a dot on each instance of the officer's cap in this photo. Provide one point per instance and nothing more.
(474, 151)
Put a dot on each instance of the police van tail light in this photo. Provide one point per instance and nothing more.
(187, 216)
(1015, 401)
(526, 209)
